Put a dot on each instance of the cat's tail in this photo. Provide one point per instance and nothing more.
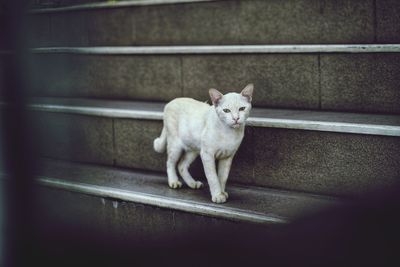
(160, 143)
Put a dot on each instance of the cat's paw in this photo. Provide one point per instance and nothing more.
(226, 194)
(196, 185)
(220, 198)
(175, 184)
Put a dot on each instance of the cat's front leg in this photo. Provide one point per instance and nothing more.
(215, 186)
(224, 166)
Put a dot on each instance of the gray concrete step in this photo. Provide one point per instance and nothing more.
(246, 204)
(318, 152)
(341, 78)
(218, 22)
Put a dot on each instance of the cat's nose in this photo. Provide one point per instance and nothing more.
(236, 119)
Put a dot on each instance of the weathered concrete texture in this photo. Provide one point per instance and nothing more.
(318, 162)
(111, 27)
(74, 137)
(366, 82)
(348, 82)
(222, 22)
(279, 80)
(195, 23)
(134, 144)
(388, 21)
(69, 29)
(136, 77)
(156, 78)
(345, 21)
(327, 163)
(279, 22)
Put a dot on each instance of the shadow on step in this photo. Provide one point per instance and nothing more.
(363, 233)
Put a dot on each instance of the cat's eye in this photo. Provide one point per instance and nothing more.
(226, 110)
(242, 108)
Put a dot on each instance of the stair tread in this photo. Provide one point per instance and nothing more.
(246, 203)
(221, 49)
(109, 4)
(380, 124)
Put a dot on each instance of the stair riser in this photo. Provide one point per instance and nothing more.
(318, 162)
(350, 82)
(85, 216)
(224, 22)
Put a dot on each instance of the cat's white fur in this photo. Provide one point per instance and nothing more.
(215, 132)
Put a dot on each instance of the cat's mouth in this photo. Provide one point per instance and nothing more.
(235, 125)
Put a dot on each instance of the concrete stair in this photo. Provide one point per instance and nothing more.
(299, 77)
(248, 204)
(318, 152)
(325, 127)
(219, 22)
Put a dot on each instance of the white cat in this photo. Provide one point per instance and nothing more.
(215, 132)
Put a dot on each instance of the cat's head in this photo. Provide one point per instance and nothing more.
(233, 109)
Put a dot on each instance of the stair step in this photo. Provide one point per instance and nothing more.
(217, 22)
(341, 122)
(246, 204)
(57, 7)
(222, 49)
(358, 78)
(287, 149)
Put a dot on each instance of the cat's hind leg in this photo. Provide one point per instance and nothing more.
(174, 153)
(183, 168)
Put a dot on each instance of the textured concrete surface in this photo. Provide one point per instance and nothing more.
(345, 21)
(134, 144)
(327, 163)
(250, 200)
(319, 162)
(279, 22)
(279, 80)
(69, 29)
(195, 23)
(388, 21)
(111, 27)
(340, 82)
(74, 137)
(229, 22)
(134, 77)
(366, 82)
(123, 77)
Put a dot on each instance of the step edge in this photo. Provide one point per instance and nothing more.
(109, 5)
(222, 49)
(312, 125)
(162, 202)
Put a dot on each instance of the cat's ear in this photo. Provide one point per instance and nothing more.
(248, 92)
(215, 96)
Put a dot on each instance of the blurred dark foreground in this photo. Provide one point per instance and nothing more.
(363, 233)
